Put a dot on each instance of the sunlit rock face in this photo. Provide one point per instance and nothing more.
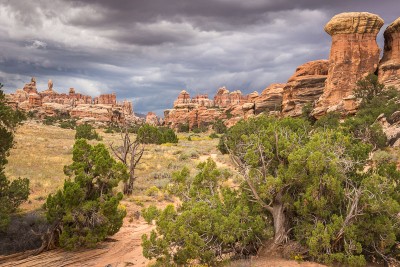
(305, 86)
(389, 67)
(354, 54)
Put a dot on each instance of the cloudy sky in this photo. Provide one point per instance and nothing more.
(147, 51)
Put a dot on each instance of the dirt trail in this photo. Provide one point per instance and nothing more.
(123, 249)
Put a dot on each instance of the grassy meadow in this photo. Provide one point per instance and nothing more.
(41, 152)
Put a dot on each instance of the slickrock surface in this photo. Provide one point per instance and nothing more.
(354, 54)
(389, 67)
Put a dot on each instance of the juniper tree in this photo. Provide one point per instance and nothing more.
(12, 193)
(86, 210)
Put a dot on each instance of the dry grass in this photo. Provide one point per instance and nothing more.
(41, 152)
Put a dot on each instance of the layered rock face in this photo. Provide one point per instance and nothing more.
(354, 54)
(389, 67)
(305, 86)
(195, 112)
(50, 103)
(270, 99)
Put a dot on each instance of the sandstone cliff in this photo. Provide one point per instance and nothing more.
(389, 67)
(354, 54)
(305, 86)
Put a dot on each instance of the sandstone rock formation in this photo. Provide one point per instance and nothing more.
(50, 103)
(106, 99)
(391, 128)
(305, 86)
(389, 67)
(354, 54)
(182, 100)
(152, 119)
(270, 99)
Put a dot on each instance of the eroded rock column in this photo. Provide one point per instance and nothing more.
(389, 67)
(354, 54)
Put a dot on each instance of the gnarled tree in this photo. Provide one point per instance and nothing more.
(130, 154)
(314, 184)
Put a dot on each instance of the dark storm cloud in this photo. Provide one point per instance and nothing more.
(149, 50)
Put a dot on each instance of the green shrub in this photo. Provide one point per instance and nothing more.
(68, 124)
(148, 134)
(211, 220)
(219, 127)
(86, 210)
(152, 191)
(150, 214)
(334, 202)
(213, 136)
(12, 193)
(48, 120)
(183, 128)
(200, 129)
(86, 131)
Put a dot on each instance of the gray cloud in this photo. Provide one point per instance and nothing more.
(149, 50)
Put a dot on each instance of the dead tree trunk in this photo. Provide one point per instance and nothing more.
(130, 154)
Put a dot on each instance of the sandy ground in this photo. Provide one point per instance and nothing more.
(122, 249)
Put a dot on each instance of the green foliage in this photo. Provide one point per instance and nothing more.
(148, 134)
(228, 114)
(213, 136)
(12, 194)
(68, 124)
(221, 145)
(86, 131)
(61, 119)
(338, 210)
(183, 128)
(86, 210)
(375, 100)
(219, 127)
(150, 214)
(306, 113)
(329, 121)
(200, 129)
(369, 88)
(211, 223)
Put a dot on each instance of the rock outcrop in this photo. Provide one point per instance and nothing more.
(354, 54)
(270, 99)
(196, 112)
(389, 67)
(103, 108)
(152, 119)
(305, 86)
